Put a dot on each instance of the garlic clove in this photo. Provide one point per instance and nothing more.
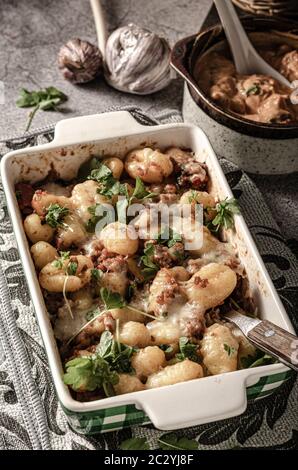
(137, 60)
(80, 61)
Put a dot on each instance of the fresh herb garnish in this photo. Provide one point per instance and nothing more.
(225, 214)
(55, 215)
(150, 268)
(86, 168)
(92, 314)
(96, 274)
(193, 196)
(64, 255)
(187, 349)
(91, 224)
(118, 355)
(140, 192)
(108, 185)
(172, 442)
(260, 359)
(168, 237)
(134, 443)
(72, 268)
(111, 299)
(89, 373)
(166, 348)
(131, 290)
(229, 349)
(46, 99)
(253, 90)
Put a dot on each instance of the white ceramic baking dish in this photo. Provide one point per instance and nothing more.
(171, 407)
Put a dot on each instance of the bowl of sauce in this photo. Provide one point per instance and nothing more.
(250, 119)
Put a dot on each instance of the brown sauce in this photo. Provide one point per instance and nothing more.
(256, 97)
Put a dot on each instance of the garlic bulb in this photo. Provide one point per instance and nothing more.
(137, 60)
(79, 61)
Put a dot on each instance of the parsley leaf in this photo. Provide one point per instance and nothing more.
(260, 359)
(118, 355)
(226, 210)
(72, 268)
(96, 274)
(55, 215)
(92, 314)
(46, 99)
(140, 192)
(111, 299)
(64, 255)
(150, 267)
(230, 351)
(253, 90)
(172, 442)
(108, 185)
(89, 373)
(86, 168)
(166, 348)
(168, 237)
(188, 350)
(193, 196)
(135, 443)
(91, 224)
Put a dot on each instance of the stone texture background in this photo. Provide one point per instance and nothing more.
(31, 34)
(32, 31)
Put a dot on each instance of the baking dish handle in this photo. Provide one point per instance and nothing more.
(96, 126)
(196, 402)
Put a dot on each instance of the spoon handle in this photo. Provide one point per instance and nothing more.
(276, 341)
(100, 25)
(246, 58)
(237, 38)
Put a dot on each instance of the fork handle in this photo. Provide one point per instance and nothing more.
(277, 342)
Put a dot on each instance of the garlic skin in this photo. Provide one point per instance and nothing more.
(80, 61)
(137, 60)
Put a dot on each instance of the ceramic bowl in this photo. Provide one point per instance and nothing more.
(255, 147)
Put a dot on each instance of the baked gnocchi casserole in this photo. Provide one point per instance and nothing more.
(133, 307)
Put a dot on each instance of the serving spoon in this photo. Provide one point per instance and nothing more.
(246, 58)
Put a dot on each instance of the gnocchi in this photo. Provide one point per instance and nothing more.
(170, 375)
(42, 200)
(55, 278)
(219, 349)
(128, 384)
(72, 232)
(198, 197)
(211, 285)
(84, 196)
(135, 334)
(43, 253)
(115, 165)
(150, 165)
(136, 309)
(147, 361)
(119, 238)
(36, 231)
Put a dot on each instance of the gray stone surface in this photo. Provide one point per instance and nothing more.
(32, 32)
